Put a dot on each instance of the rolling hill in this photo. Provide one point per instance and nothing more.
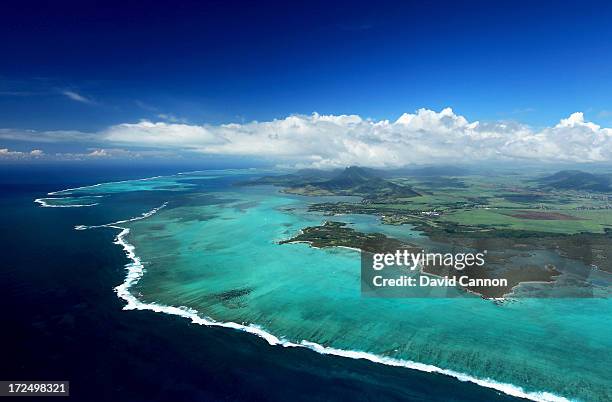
(577, 180)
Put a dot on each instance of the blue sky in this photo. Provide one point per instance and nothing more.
(87, 66)
(224, 61)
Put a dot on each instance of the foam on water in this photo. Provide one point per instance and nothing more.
(43, 203)
(67, 190)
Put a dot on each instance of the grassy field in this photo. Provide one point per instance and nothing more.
(590, 221)
(502, 202)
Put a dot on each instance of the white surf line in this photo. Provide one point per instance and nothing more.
(101, 184)
(144, 215)
(143, 179)
(194, 172)
(43, 203)
(135, 271)
(58, 192)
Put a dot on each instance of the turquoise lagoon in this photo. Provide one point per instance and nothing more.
(213, 251)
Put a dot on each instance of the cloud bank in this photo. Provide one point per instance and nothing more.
(423, 137)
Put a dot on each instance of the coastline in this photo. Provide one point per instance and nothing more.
(135, 271)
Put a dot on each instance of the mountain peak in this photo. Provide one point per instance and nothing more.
(356, 173)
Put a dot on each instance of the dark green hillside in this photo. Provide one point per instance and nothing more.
(577, 180)
(354, 180)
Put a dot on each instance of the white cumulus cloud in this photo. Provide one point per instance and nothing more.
(425, 136)
(422, 137)
(5, 153)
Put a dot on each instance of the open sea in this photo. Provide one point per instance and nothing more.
(175, 288)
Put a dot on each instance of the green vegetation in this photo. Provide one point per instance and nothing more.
(337, 234)
(508, 203)
(577, 180)
(509, 213)
(352, 181)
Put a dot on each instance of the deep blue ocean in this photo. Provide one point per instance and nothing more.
(63, 321)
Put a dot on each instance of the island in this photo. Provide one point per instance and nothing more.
(512, 215)
(338, 234)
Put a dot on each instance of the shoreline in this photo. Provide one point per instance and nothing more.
(135, 271)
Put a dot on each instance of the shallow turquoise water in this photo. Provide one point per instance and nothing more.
(216, 250)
